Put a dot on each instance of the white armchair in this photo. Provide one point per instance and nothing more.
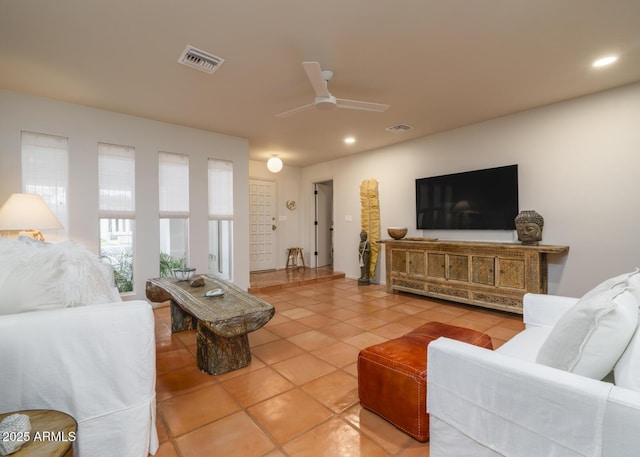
(96, 363)
(68, 343)
(501, 403)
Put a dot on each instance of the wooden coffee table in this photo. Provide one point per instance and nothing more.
(223, 322)
(52, 434)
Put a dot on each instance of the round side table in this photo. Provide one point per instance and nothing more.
(52, 434)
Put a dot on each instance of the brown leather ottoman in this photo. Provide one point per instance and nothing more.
(392, 375)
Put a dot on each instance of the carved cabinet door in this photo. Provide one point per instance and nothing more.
(399, 261)
(417, 264)
(458, 267)
(436, 265)
(483, 270)
(511, 273)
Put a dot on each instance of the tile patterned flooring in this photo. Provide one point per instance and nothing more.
(268, 281)
(299, 395)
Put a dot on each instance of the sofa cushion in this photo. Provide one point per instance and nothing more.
(526, 344)
(36, 275)
(591, 336)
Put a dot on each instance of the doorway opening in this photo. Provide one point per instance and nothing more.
(323, 222)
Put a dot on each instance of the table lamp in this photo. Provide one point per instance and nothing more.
(26, 215)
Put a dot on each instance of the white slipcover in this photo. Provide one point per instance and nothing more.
(499, 403)
(96, 363)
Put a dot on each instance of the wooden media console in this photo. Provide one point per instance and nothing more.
(487, 274)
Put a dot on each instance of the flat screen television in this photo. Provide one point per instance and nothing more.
(481, 199)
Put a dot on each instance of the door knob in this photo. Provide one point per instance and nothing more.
(273, 227)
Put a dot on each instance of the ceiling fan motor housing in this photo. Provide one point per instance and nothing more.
(325, 102)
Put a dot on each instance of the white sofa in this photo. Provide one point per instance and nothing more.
(95, 362)
(502, 403)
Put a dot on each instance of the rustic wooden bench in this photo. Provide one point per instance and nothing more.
(223, 322)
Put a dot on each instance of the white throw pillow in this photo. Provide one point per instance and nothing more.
(37, 275)
(627, 370)
(626, 373)
(631, 280)
(592, 335)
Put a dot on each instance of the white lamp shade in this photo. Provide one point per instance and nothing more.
(26, 212)
(274, 164)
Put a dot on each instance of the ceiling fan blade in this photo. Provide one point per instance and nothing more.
(291, 112)
(365, 106)
(314, 73)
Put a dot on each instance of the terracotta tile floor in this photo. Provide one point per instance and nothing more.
(290, 277)
(299, 395)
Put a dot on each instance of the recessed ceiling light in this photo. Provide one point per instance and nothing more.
(349, 140)
(604, 61)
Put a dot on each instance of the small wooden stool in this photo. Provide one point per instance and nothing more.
(292, 257)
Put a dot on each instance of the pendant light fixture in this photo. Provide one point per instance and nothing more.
(274, 164)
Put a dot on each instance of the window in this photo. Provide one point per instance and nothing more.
(45, 172)
(116, 183)
(221, 218)
(174, 211)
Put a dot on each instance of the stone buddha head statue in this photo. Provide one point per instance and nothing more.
(529, 226)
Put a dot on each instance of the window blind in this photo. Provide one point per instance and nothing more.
(116, 179)
(45, 163)
(173, 184)
(220, 188)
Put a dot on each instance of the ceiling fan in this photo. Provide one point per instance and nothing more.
(324, 100)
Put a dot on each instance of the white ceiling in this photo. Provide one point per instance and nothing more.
(439, 64)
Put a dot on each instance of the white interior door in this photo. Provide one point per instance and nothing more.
(262, 224)
(324, 223)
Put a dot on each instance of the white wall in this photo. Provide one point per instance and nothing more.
(85, 127)
(579, 163)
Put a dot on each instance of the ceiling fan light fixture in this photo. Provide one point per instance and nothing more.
(274, 164)
(325, 103)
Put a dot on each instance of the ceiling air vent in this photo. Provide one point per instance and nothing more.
(399, 128)
(200, 60)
